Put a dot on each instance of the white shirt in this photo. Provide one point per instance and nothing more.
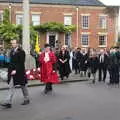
(102, 58)
(46, 58)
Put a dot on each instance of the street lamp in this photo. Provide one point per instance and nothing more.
(10, 8)
(10, 11)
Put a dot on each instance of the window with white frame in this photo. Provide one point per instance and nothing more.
(103, 22)
(102, 40)
(85, 39)
(35, 19)
(1, 18)
(85, 21)
(67, 20)
(19, 19)
(68, 39)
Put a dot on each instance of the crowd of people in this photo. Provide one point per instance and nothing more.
(4, 57)
(63, 61)
(88, 62)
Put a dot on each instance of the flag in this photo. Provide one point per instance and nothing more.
(37, 48)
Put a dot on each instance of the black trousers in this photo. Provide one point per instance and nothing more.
(114, 74)
(48, 87)
(76, 66)
(102, 72)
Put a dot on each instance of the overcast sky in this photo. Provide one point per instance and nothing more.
(111, 2)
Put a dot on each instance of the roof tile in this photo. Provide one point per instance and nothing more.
(63, 2)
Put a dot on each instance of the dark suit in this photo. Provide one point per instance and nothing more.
(114, 68)
(17, 62)
(77, 58)
(103, 64)
(64, 68)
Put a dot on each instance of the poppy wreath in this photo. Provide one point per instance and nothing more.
(33, 74)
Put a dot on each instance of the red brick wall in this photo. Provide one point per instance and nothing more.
(51, 13)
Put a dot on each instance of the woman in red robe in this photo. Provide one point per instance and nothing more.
(49, 76)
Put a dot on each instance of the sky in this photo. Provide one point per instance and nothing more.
(111, 2)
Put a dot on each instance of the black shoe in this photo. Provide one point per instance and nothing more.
(75, 72)
(93, 81)
(6, 105)
(26, 102)
(47, 91)
(89, 74)
(99, 80)
(67, 76)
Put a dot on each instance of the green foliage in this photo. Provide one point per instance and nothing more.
(69, 29)
(6, 17)
(55, 27)
(8, 32)
(32, 35)
(11, 31)
(19, 29)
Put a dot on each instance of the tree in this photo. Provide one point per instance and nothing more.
(112, 11)
(10, 31)
(7, 30)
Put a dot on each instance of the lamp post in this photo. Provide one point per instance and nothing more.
(10, 11)
(10, 8)
(30, 62)
(77, 21)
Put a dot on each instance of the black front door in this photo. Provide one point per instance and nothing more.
(52, 40)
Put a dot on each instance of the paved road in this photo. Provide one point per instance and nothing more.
(71, 101)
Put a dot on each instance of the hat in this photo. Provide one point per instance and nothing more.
(46, 45)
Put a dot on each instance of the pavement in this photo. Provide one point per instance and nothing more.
(69, 101)
(72, 78)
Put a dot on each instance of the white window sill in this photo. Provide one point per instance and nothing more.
(85, 45)
(103, 28)
(103, 46)
(85, 28)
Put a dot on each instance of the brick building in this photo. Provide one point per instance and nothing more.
(96, 25)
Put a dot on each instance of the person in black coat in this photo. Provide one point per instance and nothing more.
(103, 65)
(16, 74)
(113, 67)
(77, 58)
(92, 65)
(64, 66)
(83, 62)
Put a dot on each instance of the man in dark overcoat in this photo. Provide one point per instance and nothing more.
(113, 66)
(103, 65)
(16, 74)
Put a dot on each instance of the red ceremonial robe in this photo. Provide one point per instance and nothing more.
(46, 71)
